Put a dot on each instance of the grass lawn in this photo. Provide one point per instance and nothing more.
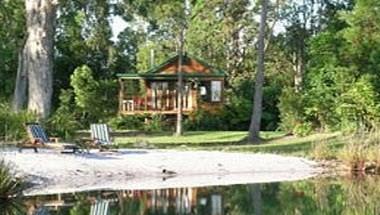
(290, 145)
(274, 142)
(191, 139)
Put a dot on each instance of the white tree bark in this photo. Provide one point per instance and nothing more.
(19, 95)
(179, 130)
(38, 54)
(254, 128)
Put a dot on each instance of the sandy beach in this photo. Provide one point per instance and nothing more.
(53, 172)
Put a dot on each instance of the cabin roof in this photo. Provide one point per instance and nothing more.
(192, 68)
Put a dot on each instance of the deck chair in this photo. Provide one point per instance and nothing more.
(100, 136)
(37, 138)
(100, 207)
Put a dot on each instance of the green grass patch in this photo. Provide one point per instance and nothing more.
(191, 139)
(274, 142)
(290, 145)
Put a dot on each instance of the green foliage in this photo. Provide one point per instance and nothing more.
(156, 123)
(340, 90)
(359, 105)
(63, 122)
(11, 189)
(82, 205)
(303, 129)
(291, 110)
(236, 114)
(13, 124)
(361, 151)
(96, 100)
(129, 122)
(85, 87)
(321, 150)
(12, 31)
(203, 120)
(162, 51)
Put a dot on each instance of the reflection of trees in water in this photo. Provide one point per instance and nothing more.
(255, 191)
(81, 205)
(362, 195)
(329, 196)
(318, 196)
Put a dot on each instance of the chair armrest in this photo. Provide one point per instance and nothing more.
(54, 139)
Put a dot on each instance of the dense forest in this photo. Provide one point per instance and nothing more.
(322, 61)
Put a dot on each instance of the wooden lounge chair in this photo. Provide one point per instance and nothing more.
(100, 207)
(100, 136)
(37, 138)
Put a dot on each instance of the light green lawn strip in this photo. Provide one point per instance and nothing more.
(289, 145)
(274, 142)
(194, 138)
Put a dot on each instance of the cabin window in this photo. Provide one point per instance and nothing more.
(205, 91)
(216, 91)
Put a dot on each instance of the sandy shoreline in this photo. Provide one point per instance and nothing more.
(129, 169)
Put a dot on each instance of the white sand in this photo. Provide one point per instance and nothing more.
(53, 172)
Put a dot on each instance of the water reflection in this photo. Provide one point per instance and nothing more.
(317, 196)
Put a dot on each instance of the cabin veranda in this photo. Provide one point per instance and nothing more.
(156, 90)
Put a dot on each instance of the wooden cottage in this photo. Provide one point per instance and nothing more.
(155, 91)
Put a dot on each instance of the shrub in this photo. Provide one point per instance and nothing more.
(156, 123)
(203, 120)
(321, 151)
(63, 122)
(358, 106)
(11, 189)
(362, 152)
(236, 114)
(95, 100)
(303, 129)
(12, 125)
(132, 122)
(354, 155)
(291, 111)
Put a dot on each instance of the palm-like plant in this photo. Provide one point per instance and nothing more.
(10, 191)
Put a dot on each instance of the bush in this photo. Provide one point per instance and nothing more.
(236, 114)
(291, 106)
(321, 150)
(303, 129)
(11, 189)
(132, 122)
(63, 122)
(202, 120)
(156, 123)
(362, 152)
(358, 106)
(354, 155)
(94, 100)
(12, 125)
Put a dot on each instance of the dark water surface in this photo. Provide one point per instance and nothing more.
(346, 195)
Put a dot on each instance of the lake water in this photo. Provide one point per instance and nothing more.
(346, 195)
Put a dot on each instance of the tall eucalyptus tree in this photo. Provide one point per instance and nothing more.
(36, 60)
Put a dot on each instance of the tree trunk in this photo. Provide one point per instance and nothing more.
(254, 128)
(19, 95)
(179, 130)
(38, 54)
